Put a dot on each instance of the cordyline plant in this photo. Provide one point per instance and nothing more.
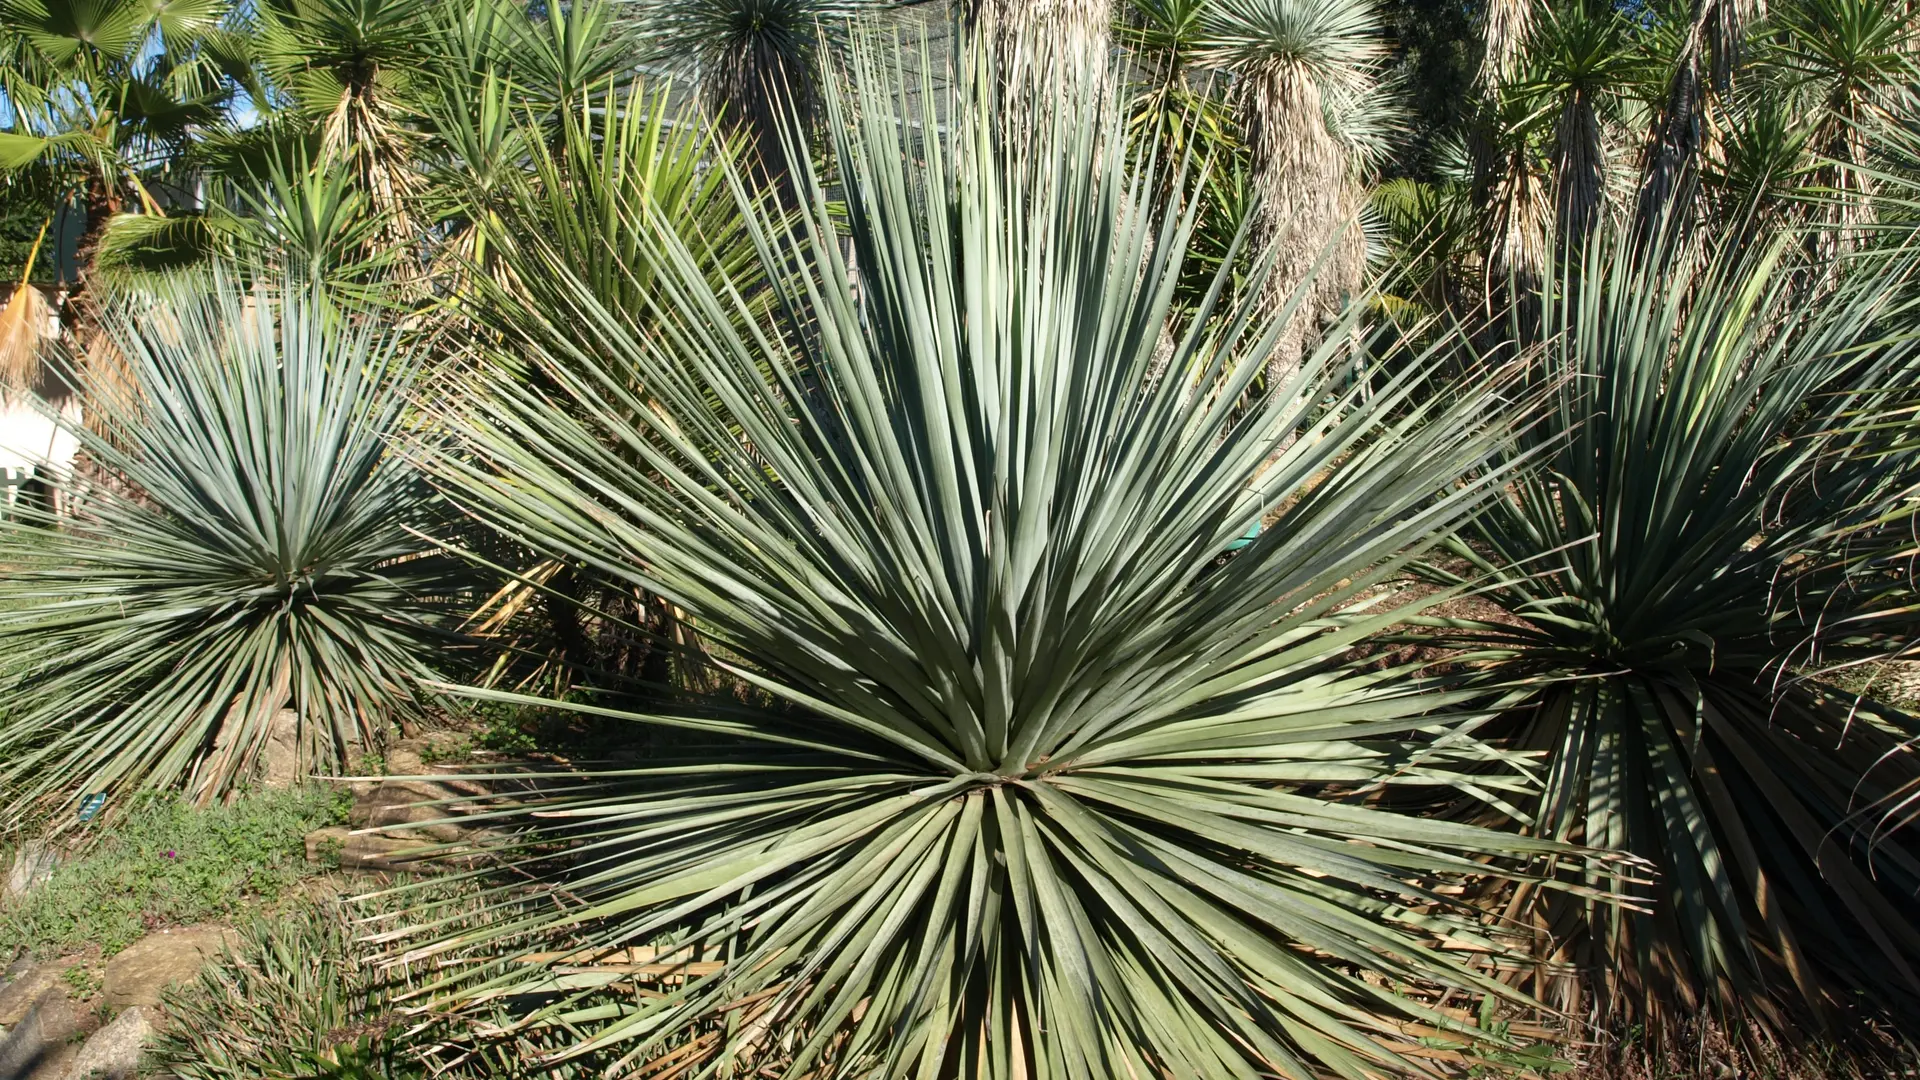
(247, 551)
(1050, 787)
(623, 157)
(1701, 466)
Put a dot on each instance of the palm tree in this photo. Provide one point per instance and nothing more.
(1846, 69)
(351, 69)
(97, 100)
(758, 62)
(1673, 548)
(1699, 71)
(1582, 59)
(1181, 110)
(1030, 781)
(1308, 82)
(1431, 229)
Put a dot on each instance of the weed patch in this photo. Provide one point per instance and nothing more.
(164, 863)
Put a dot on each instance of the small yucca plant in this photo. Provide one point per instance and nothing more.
(249, 547)
(303, 994)
(294, 995)
(1049, 787)
(1702, 462)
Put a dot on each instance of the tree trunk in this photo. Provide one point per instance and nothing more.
(561, 599)
(1674, 150)
(1507, 25)
(103, 201)
(771, 107)
(1308, 205)
(1579, 171)
(1515, 236)
(1046, 47)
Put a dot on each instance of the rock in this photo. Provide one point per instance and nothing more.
(408, 822)
(420, 803)
(445, 745)
(280, 759)
(41, 1046)
(26, 988)
(408, 756)
(32, 867)
(404, 758)
(148, 966)
(113, 1052)
(325, 845)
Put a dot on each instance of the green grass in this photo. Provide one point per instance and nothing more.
(163, 863)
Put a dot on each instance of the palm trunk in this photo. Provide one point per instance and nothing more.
(1515, 236)
(562, 600)
(103, 201)
(1579, 171)
(1674, 152)
(1508, 22)
(771, 107)
(1045, 45)
(1307, 204)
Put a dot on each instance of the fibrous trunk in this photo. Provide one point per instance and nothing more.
(1579, 170)
(1508, 22)
(1045, 44)
(758, 93)
(1308, 203)
(103, 202)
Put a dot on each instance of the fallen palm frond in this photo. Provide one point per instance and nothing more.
(23, 329)
(23, 339)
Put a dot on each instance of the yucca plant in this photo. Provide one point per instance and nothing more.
(1849, 67)
(249, 547)
(1049, 786)
(624, 153)
(291, 996)
(1654, 574)
(301, 994)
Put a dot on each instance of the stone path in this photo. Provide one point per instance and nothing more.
(47, 1035)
